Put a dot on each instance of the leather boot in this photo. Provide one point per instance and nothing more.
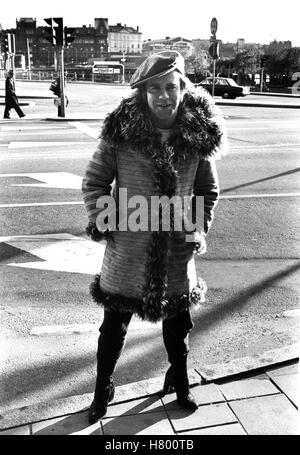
(169, 382)
(99, 405)
(177, 379)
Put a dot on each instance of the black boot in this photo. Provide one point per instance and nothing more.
(169, 381)
(177, 379)
(99, 405)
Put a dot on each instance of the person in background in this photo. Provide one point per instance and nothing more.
(160, 141)
(11, 100)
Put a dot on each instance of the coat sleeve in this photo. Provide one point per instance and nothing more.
(206, 185)
(98, 178)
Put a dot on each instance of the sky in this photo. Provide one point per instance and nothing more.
(257, 21)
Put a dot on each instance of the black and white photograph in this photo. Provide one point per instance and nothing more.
(149, 221)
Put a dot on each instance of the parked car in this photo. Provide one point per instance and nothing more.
(225, 87)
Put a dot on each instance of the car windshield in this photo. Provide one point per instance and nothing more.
(232, 82)
(219, 81)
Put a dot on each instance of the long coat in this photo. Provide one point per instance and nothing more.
(152, 273)
(11, 100)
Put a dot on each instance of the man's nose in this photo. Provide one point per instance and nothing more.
(163, 94)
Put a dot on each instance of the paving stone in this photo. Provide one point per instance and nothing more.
(247, 388)
(204, 394)
(44, 411)
(205, 416)
(149, 423)
(289, 385)
(268, 415)
(17, 431)
(74, 424)
(233, 429)
(150, 404)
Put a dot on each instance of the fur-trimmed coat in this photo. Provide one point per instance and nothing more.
(152, 273)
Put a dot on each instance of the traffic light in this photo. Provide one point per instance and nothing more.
(7, 43)
(55, 35)
(214, 50)
(68, 38)
(262, 62)
(50, 31)
(59, 31)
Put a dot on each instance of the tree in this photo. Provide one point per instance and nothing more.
(197, 66)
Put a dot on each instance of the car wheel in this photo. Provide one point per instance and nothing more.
(225, 95)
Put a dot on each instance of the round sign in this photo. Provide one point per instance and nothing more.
(213, 25)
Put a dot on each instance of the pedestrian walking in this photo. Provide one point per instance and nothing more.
(162, 141)
(11, 100)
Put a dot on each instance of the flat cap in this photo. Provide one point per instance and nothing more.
(156, 65)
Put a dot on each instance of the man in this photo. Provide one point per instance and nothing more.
(158, 143)
(11, 100)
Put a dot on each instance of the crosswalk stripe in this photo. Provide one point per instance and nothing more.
(229, 196)
(86, 129)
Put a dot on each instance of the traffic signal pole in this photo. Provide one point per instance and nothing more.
(214, 49)
(60, 37)
(60, 62)
(214, 78)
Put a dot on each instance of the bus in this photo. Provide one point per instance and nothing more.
(108, 71)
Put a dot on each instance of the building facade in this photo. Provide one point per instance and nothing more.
(179, 44)
(98, 42)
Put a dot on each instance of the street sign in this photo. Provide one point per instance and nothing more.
(213, 26)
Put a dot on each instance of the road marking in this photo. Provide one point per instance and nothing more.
(19, 145)
(262, 146)
(229, 196)
(292, 313)
(21, 128)
(266, 195)
(43, 133)
(55, 155)
(59, 252)
(86, 129)
(87, 328)
(64, 180)
(39, 204)
(260, 122)
(266, 127)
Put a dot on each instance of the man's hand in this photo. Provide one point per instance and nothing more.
(200, 242)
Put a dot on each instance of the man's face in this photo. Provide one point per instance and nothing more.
(163, 97)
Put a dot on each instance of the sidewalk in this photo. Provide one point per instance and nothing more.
(250, 396)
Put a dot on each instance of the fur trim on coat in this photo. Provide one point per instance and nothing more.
(199, 132)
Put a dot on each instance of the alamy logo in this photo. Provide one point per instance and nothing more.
(161, 213)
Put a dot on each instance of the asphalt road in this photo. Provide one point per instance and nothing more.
(48, 321)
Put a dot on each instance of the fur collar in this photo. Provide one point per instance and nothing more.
(199, 127)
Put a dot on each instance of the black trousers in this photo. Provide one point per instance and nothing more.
(17, 109)
(113, 334)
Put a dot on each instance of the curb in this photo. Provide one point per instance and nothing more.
(79, 403)
(21, 104)
(282, 95)
(73, 119)
(33, 97)
(257, 104)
